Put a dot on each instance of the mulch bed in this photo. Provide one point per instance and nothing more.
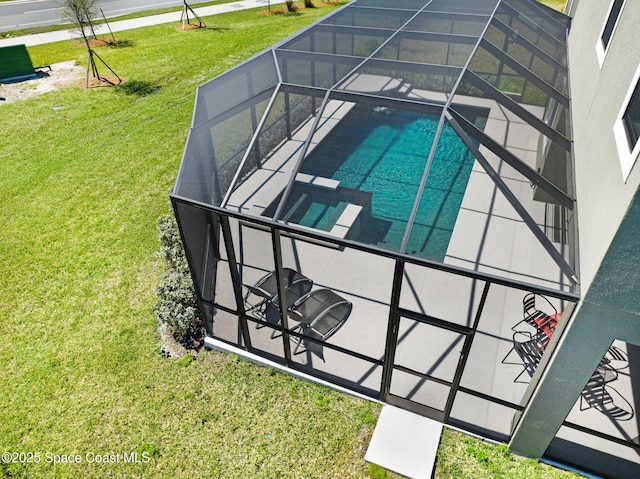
(281, 11)
(99, 42)
(101, 81)
(189, 26)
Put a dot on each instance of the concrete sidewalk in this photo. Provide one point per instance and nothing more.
(118, 26)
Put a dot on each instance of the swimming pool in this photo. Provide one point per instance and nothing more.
(383, 152)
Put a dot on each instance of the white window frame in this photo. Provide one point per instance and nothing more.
(628, 156)
(601, 51)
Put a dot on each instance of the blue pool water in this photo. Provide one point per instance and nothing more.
(383, 152)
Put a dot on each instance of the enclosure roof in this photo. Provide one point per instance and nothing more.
(484, 80)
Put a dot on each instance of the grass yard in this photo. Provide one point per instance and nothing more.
(555, 4)
(83, 178)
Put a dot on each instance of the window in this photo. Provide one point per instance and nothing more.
(631, 118)
(611, 22)
(608, 29)
(627, 127)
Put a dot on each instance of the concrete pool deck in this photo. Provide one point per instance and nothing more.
(489, 237)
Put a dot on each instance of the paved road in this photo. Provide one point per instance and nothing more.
(121, 25)
(18, 14)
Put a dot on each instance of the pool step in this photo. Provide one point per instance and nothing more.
(346, 221)
(319, 181)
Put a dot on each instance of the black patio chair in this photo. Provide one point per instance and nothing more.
(530, 348)
(261, 298)
(616, 358)
(537, 312)
(599, 394)
(320, 314)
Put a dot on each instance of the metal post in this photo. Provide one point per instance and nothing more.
(105, 21)
(282, 294)
(235, 280)
(464, 354)
(392, 331)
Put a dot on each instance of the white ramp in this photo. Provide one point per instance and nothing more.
(405, 443)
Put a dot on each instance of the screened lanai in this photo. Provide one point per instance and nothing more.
(383, 199)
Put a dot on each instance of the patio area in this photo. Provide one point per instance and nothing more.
(489, 237)
(366, 281)
(354, 356)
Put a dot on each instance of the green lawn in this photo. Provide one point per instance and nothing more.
(556, 4)
(83, 178)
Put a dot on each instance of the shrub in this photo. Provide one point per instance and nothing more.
(177, 307)
(309, 4)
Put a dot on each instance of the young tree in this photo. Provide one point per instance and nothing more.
(184, 18)
(81, 13)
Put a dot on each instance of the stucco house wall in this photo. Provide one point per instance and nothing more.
(598, 93)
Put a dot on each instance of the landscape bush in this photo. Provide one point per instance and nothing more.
(177, 308)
